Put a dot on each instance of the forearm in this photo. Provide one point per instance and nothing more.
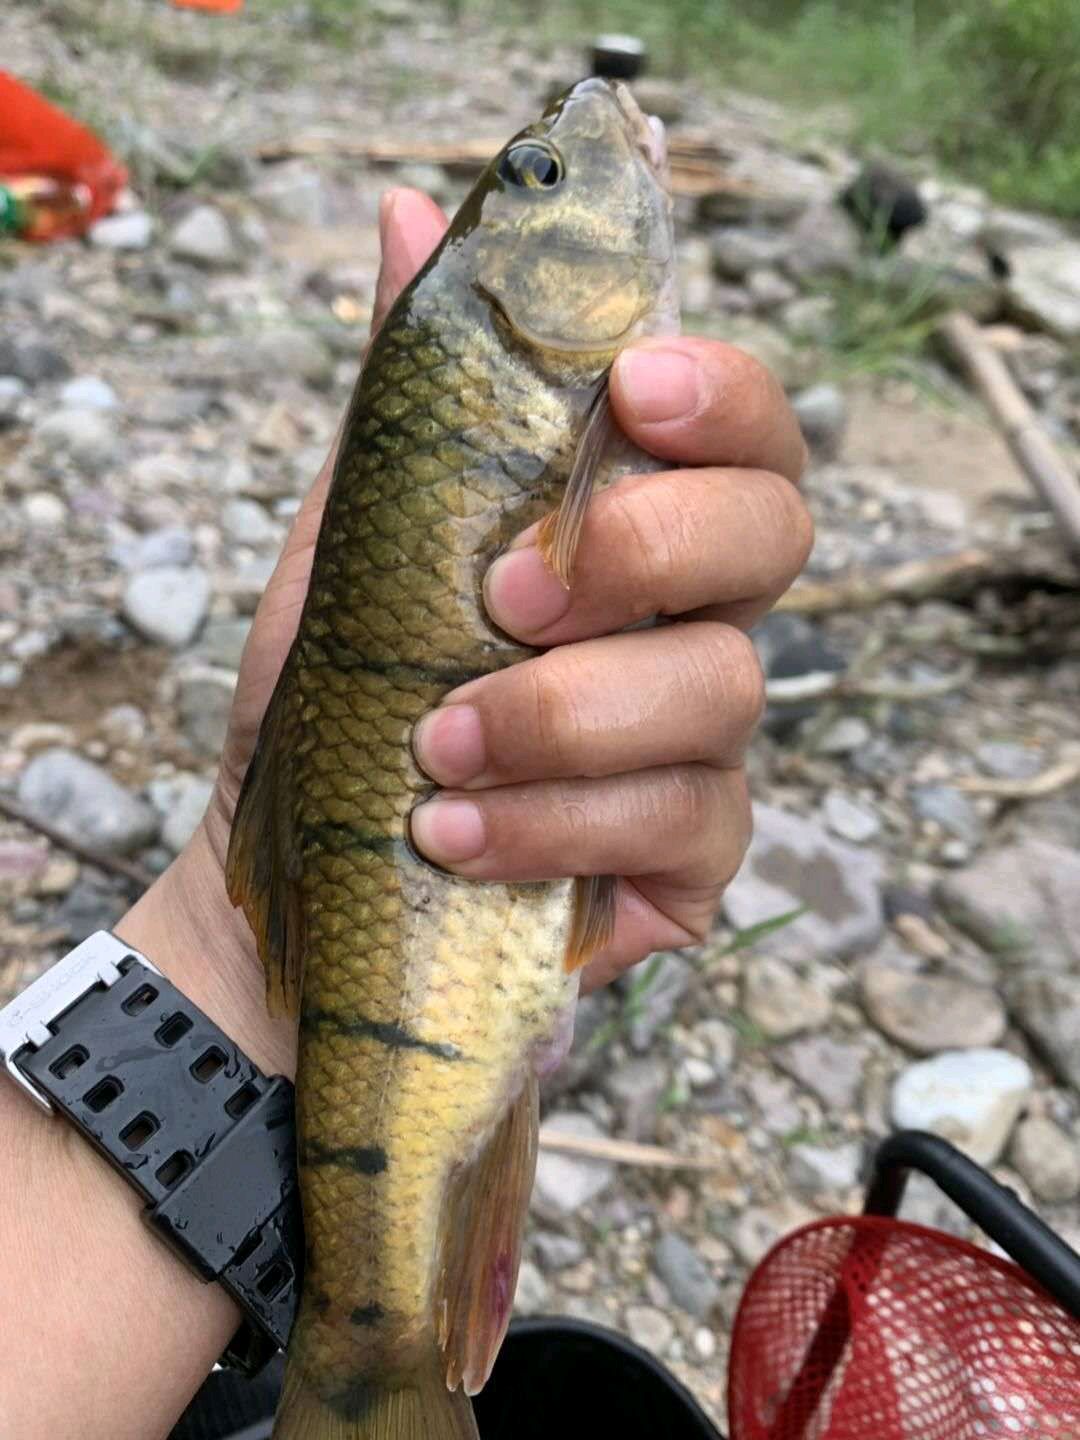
(102, 1324)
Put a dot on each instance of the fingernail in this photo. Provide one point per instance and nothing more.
(449, 744)
(522, 595)
(448, 831)
(658, 384)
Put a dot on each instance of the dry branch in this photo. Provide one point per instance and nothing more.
(941, 576)
(113, 864)
(623, 1152)
(828, 685)
(1036, 454)
(1046, 782)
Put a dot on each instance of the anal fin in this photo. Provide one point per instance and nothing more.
(482, 1229)
(262, 869)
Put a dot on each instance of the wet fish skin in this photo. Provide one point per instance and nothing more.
(424, 1001)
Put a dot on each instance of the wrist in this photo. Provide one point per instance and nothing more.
(186, 926)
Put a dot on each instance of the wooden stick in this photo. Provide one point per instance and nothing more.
(943, 575)
(1036, 454)
(1046, 782)
(623, 1152)
(111, 863)
(830, 685)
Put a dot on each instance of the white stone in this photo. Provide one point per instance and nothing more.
(531, 1295)
(167, 605)
(848, 819)
(245, 522)
(88, 437)
(781, 1000)
(203, 236)
(832, 1169)
(84, 801)
(185, 808)
(88, 392)
(650, 1328)
(971, 1097)
(564, 1183)
(1047, 1159)
(43, 510)
(132, 230)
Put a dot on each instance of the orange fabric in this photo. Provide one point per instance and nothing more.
(38, 139)
(223, 7)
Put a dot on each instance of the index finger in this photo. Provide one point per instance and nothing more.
(703, 402)
(410, 226)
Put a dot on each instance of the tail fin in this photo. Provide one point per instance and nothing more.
(422, 1409)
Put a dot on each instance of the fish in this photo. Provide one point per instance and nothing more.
(428, 1006)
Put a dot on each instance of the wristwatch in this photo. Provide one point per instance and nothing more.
(105, 1041)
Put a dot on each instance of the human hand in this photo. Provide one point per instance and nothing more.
(610, 753)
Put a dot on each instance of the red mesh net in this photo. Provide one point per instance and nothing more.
(874, 1329)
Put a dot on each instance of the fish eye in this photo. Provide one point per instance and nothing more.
(532, 166)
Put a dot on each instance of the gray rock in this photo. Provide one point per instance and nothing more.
(738, 249)
(758, 1228)
(161, 471)
(971, 1097)
(822, 413)
(1047, 1008)
(298, 354)
(84, 802)
(557, 1252)
(185, 808)
(89, 906)
(650, 1328)
(636, 1089)
(12, 395)
(1007, 760)
(780, 1000)
(653, 992)
(87, 437)
(245, 522)
(43, 510)
(809, 319)
(928, 1013)
(767, 288)
(686, 1275)
(829, 1068)
(295, 191)
(950, 809)
(1047, 1159)
(1043, 287)
(845, 736)
(133, 230)
(171, 545)
(203, 237)
(824, 241)
(566, 1183)
(828, 1169)
(222, 642)
(1022, 902)
(32, 361)
(88, 392)
(123, 725)
(848, 819)
(532, 1293)
(167, 605)
(203, 700)
(792, 862)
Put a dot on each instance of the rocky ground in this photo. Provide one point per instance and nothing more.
(168, 389)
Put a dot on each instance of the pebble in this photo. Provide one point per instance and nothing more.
(971, 1097)
(928, 1013)
(557, 1252)
(757, 1229)
(185, 808)
(654, 1003)
(566, 1183)
(32, 361)
(87, 437)
(297, 354)
(822, 413)
(704, 1342)
(830, 1068)
(780, 1000)
(203, 236)
(84, 802)
(949, 808)
(88, 906)
(1047, 1160)
(12, 395)
(848, 819)
(132, 230)
(1007, 760)
(245, 522)
(1022, 901)
(222, 641)
(825, 1169)
(739, 249)
(1046, 1006)
(124, 725)
(822, 242)
(767, 288)
(162, 471)
(168, 604)
(650, 1328)
(204, 696)
(792, 862)
(43, 510)
(533, 1293)
(88, 392)
(688, 1278)
(636, 1089)
(844, 736)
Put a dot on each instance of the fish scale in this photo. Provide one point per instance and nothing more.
(425, 1002)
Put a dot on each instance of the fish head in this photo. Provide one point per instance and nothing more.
(568, 233)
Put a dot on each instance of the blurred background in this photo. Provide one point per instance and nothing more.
(903, 946)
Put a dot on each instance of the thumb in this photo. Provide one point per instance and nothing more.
(410, 227)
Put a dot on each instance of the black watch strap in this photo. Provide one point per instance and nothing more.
(204, 1136)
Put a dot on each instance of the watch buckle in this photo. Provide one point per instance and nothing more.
(25, 1020)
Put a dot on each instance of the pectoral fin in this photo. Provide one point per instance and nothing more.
(482, 1229)
(262, 869)
(560, 532)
